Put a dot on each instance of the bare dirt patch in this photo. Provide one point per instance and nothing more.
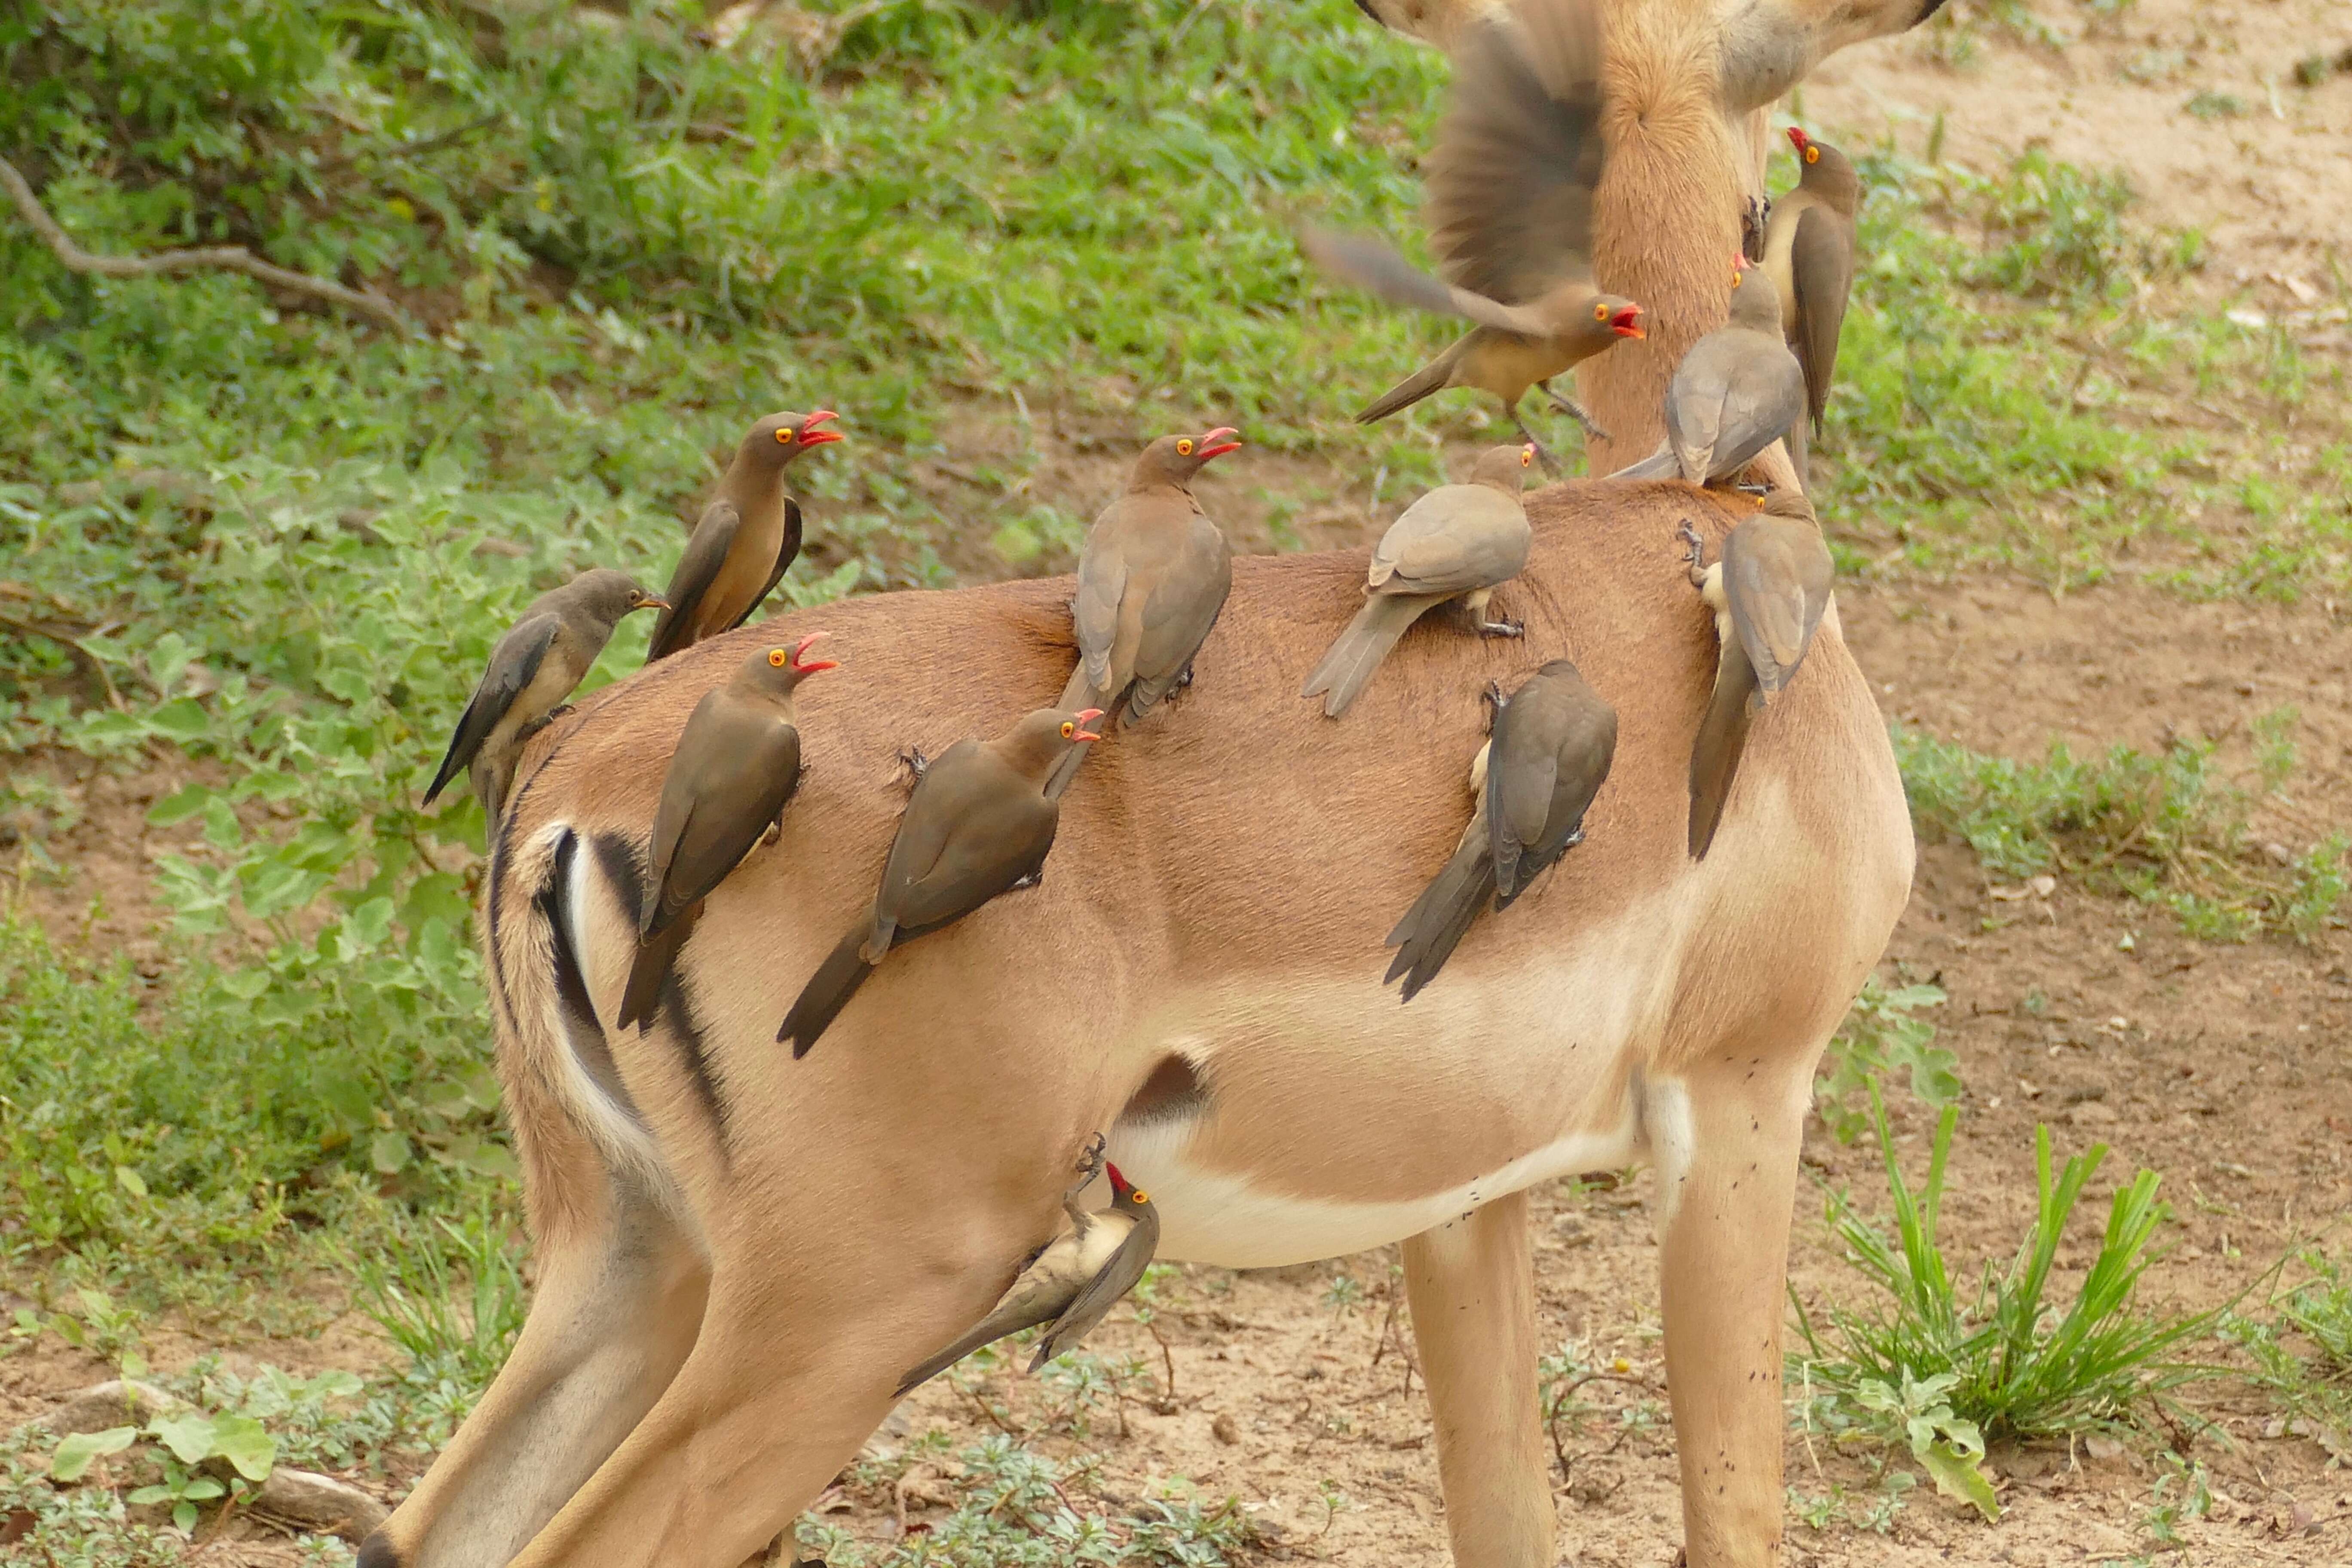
(2258, 163)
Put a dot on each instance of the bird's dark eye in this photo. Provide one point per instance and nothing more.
(1068, 729)
(1184, 449)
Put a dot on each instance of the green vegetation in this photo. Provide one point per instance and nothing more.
(2170, 830)
(1943, 1372)
(1881, 1037)
(2302, 1351)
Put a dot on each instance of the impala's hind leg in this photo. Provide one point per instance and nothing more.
(619, 1300)
(1471, 1284)
(1726, 1137)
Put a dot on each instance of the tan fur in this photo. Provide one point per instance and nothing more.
(738, 1303)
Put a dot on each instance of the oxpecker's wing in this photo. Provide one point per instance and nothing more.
(788, 550)
(1510, 180)
(697, 570)
(1777, 575)
(1114, 1280)
(1821, 266)
(514, 665)
(1372, 265)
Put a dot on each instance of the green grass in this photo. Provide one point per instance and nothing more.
(1929, 1364)
(2172, 830)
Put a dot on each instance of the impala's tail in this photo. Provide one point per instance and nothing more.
(1424, 938)
(1360, 648)
(836, 980)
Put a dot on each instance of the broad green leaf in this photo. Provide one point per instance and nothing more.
(145, 1495)
(183, 1514)
(76, 1453)
(183, 719)
(389, 1153)
(242, 1442)
(132, 1182)
(179, 805)
(190, 1435)
(1959, 1476)
(203, 1489)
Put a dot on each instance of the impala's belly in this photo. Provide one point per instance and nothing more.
(1332, 1119)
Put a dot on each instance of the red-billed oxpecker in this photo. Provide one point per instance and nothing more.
(748, 536)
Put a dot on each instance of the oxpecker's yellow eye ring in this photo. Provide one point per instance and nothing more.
(1527, 456)
(777, 656)
(1812, 154)
(1184, 448)
(1601, 312)
(1068, 729)
(1735, 281)
(1138, 1195)
(785, 436)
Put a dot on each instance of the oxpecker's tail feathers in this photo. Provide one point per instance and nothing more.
(656, 954)
(1360, 648)
(1429, 378)
(1722, 736)
(836, 980)
(1425, 938)
(1658, 464)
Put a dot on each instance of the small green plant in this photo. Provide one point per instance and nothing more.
(2169, 830)
(1881, 1036)
(2183, 1491)
(2006, 1359)
(412, 1292)
(2311, 1380)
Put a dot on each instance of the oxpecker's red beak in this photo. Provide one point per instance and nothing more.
(1086, 717)
(813, 437)
(806, 666)
(1218, 442)
(1627, 323)
(1799, 140)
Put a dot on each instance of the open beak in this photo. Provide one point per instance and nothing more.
(1086, 717)
(813, 437)
(1218, 442)
(802, 662)
(1627, 323)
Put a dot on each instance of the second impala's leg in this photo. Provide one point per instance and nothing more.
(620, 1296)
(1471, 1284)
(1725, 1135)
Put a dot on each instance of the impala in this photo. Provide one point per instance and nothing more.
(739, 1254)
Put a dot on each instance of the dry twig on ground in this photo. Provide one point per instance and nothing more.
(227, 258)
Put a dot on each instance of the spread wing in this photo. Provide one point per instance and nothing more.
(788, 550)
(697, 569)
(514, 665)
(1511, 181)
(1821, 268)
(1373, 264)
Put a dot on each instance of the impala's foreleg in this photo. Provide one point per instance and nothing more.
(1471, 1284)
(1725, 1135)
(619, 1297)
